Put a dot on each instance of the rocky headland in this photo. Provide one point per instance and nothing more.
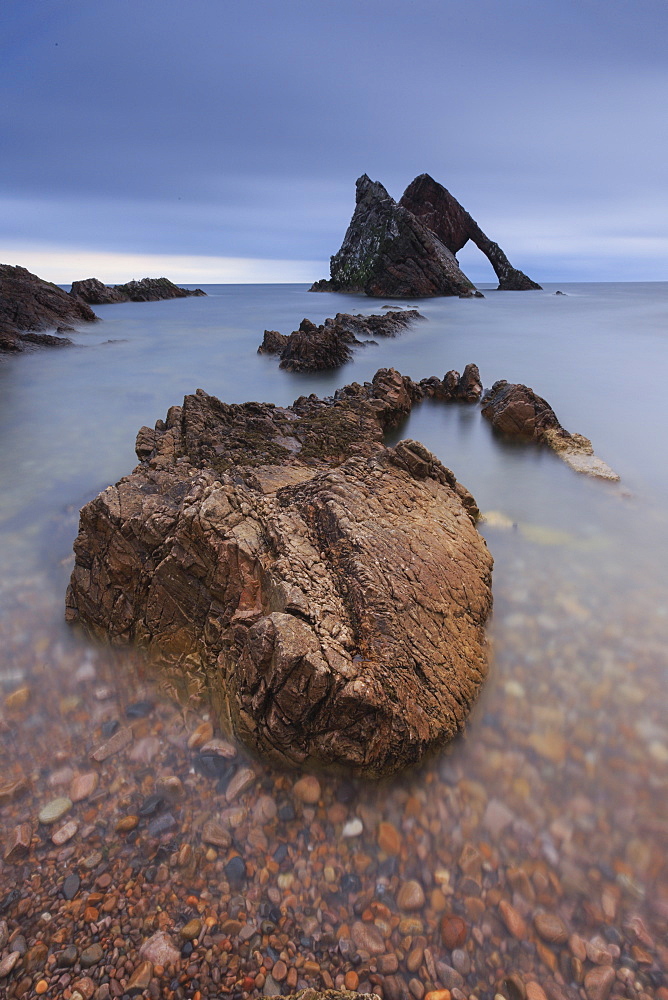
(334, 591)
(30, 305)
(317, 348)
(95, 293)
(407, 249)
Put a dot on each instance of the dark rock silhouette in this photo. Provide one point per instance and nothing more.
(437, 209)
(333, 591)
(93, 291)
(387, 252)
(408, 249)
(317, 348)
(28, 305)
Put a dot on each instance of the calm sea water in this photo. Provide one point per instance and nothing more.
(576, 707)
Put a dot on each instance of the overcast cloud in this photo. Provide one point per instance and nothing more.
(215, 130)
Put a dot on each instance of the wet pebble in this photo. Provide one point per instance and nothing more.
(367, 938)
(83, 785)
(91, 956)
(410, 896)
(8, 963)
(551, 928)
(240, 783)
(453, 931)
(307, 789)
(160, 950)
(191, 930)
(65, 833)
(121, 739)
(353, 828)
(67, 958)
(598, 982)
(54, 810)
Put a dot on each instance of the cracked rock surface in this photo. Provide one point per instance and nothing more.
(335, 591)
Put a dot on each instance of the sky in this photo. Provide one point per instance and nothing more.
(216, 141)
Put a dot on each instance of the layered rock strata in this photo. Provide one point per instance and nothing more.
(28, 305)
(317, 348)
(93, 291)
(334, 590)
(408, 249)
(517, 412)
(441, 213)
(387, 252)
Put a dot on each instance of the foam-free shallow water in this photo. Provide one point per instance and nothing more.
(570, 738)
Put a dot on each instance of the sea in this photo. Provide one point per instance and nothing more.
(563, 767)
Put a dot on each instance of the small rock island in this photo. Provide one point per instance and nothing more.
(95, 293)
(314, 348)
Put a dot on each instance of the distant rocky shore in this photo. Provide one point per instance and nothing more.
(407, 249)
(29, 305)
(314, 348)
(95, 293)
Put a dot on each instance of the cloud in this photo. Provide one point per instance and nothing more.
(64, 265)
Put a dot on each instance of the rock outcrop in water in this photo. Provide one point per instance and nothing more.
(28, 305)
(440, 212)
(314, 348)
(334, 590)
(407, 250)
(517, 412)
(93, 291)
(387, 252)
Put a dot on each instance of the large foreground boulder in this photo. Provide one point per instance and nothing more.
(516, 411)
(28, 305)
(314, 348)
(93, 291)
(440, 212)
(388, 252)
(334, 591)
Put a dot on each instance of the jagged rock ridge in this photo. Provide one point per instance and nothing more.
(334, 590)
(408, 249)
(28, 305)
(314, 348)
(93, 291)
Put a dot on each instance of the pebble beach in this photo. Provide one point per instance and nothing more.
(145, 853)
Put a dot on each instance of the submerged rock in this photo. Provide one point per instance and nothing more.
(28, 305)
(93, 291)
(440, 211)
(335, 591)
(388, 252)
(518, 412)
(317, 348)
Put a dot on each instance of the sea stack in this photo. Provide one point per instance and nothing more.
(407, 249)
